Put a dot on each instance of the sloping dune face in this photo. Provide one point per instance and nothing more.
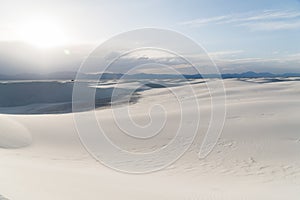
(2, 198)
(13, 134)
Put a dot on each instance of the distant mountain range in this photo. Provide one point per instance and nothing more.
(71, 75)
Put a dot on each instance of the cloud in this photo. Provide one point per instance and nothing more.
(277, 64)
(231, 61)
(18, 57)
(271, 26)
(219, 54)
(199, 22)
(266, 20)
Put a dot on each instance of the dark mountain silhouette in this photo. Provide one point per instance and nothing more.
(71, 75)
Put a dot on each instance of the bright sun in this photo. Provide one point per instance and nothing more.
(42, 33)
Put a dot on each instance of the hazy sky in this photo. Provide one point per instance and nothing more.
(45, 36)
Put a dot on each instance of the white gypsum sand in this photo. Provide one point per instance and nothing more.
(255, 158)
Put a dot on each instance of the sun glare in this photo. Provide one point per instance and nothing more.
(42, 33)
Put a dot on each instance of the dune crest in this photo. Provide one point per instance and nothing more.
(13, 134)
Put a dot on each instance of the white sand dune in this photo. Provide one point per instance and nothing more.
(13, 134)
(2, 198)
(257, 156)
